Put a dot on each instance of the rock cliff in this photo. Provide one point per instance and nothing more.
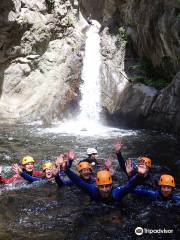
(153, 28)
(41, 48)
(41, 51)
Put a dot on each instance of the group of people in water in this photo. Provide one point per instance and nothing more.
(99, 188)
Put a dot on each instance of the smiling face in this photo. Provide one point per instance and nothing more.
(143, 163)
(143, 169)
(29, 167)
(105, 190)
(48, 173)
(166, 191)
(85, 173)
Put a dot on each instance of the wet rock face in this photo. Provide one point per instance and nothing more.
(124, 102)
(154, 28)
(40, 56)
(166, 108)
(92, 9)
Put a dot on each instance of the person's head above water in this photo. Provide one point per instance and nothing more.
(104, 183)
(85, 170)
(147, 161)
(167, 185)
(47, 169)
(28, 163)
(92, 153)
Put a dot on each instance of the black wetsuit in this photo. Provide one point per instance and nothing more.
(149, 180)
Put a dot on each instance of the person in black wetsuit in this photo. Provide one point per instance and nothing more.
(83, 167)
(163, 193)
(149, 179)
(92, 156)
(97, 163)
(103, 191)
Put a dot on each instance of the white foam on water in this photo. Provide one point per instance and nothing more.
(90, 128)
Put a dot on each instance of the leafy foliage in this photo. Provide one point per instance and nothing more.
(50, 5)
(122, 33)
(151, 76)
(156, 83)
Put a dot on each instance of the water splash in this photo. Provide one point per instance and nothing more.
(76, 128)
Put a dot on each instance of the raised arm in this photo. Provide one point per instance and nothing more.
(120, 192)
(61, 181)
(71, 157)
(10, 180)
(118, 146)
(91, 189)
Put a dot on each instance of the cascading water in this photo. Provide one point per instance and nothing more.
(90, 106)
(88, 122)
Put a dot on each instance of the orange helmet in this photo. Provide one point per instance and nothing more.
(147, 161)
(83, 165)
(167, 180)
(103, 177)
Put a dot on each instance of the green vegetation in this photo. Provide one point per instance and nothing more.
(123, 34)
(50, 5)
(156, 83)
(146, 67)
(178, 16)
(151, 76)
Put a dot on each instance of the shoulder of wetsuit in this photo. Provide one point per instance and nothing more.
(175, 198)
(29, 173)
(154, 180)
(114, 193)
(90, 181)
(151, 181)
(62, 174)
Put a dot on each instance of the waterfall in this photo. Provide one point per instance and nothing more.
(90, 106)
(88, 123)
